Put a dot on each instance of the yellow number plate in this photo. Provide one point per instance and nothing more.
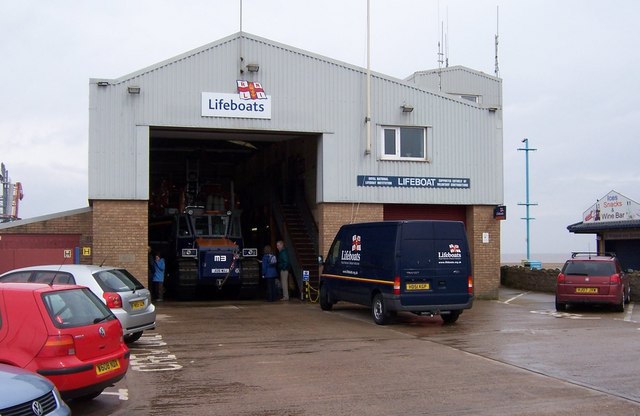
(418, 286)
(138, 304)
(586, 290)
(108, 366)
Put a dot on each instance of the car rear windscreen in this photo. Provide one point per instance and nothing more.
(73, 308)
(589, 268)
(117, 280)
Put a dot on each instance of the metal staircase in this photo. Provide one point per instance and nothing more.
(300, 234)
(304, 252)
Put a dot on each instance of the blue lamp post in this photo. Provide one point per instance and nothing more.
(527, 204)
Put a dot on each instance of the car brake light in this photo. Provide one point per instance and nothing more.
(615, 279)
(561, 278)
(470, 284)
(114, 301)
(396, 285)
(58, 346)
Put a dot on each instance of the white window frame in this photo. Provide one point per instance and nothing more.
(398, 141)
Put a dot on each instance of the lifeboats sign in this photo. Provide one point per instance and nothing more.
(612, 207)
(215, 104)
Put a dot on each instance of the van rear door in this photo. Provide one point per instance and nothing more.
(435, 263)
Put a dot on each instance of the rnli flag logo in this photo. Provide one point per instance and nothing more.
(454, 248)
(356, 243)
(248, 90)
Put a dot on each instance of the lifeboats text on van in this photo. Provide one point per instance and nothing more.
(352, 257)
(414, 182)
(453, 256)
(230, 105)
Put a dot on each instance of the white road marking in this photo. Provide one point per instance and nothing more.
(149, 353)
(515, 297)
(123, 394)
(557, 314)
(627, 315)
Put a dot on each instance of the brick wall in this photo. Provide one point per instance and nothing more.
(485, 256)
(120, 230)
(545, 280)
(74, 223)
(332, 216)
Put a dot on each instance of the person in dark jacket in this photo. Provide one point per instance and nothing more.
(283, 266)
(270, 273)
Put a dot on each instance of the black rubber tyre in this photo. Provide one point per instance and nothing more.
(325, 302)
(560, 307)
(619, 307)
(131, 338)
(450, 317)
(379, 310)
(89, 396)
(628, 298)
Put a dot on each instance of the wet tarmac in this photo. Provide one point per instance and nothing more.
(514, 356)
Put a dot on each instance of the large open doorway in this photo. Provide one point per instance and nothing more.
(243, 182)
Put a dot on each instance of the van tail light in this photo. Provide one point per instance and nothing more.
(114, 301)
(396, 285)
(615, 279)
(561, 278)
(58, 346)
(470, 284)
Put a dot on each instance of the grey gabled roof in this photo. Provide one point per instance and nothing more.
(594, 227)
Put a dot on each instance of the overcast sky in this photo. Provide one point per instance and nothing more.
(570, 70)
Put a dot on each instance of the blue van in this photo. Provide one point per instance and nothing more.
(421, 266)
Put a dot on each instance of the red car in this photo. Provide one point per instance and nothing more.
(589, 278)
(64, 333)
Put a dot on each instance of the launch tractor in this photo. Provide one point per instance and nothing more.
(204, 249)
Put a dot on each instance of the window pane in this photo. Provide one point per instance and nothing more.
(117, 280)
(202, 225)
(50, 277)
(78, 307)
(389, 141)
(411, 142)
(18, 277)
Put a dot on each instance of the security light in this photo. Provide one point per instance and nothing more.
(253, 67)
(406, 108)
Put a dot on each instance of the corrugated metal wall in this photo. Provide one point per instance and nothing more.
(309, 93)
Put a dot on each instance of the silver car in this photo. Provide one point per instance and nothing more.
(27, 393)
(127, 298)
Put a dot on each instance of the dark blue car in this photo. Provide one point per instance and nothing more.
(423, 267)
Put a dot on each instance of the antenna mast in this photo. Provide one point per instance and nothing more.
(443, 47)
(496, 39)
(241, 44)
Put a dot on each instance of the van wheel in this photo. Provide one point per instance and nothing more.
(325, 303)
(379, 311)
(560, 307)
(450, 317)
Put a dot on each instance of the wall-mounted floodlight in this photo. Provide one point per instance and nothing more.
(253, 67)
(134, 89)
(406, 108)
(103, 83)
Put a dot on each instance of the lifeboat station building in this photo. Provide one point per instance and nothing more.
(301, 143)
